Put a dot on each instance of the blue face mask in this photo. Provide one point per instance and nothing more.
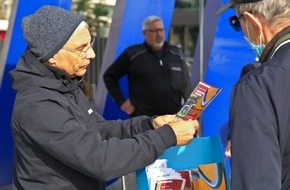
(258, 49)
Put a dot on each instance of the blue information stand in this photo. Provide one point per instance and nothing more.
(202, 150)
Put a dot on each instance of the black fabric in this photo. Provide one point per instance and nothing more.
(246, 68)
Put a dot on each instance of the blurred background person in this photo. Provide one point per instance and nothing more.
(158, 76)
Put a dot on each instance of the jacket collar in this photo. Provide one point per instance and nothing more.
(276, 41)
(31, 72)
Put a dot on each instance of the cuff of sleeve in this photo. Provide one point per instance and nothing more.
(168, 136)
(151, 122)
(147, 124)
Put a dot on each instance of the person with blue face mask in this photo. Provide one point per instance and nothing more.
(259, 119)
(259, 48)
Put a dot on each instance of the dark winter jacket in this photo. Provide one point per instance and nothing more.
(61, 143)
(260, 122)
(157, 81)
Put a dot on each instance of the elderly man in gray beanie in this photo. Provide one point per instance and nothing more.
(60, 142)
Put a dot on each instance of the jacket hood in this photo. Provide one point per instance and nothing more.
(30, 72)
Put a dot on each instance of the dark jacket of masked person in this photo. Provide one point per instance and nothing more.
(260, 121)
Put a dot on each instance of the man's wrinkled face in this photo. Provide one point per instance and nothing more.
(154, 35)
(75, 56)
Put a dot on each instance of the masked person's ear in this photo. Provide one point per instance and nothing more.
(254, 21)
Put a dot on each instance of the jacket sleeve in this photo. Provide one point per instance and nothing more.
(100, 149)
(256, 157)
(112, 76)
(125, 129)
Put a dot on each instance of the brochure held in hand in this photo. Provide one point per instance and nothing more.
(199, 99)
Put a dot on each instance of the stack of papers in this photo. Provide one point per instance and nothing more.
(160, 177)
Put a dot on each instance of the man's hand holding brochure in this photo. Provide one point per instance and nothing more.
(183, 121)
(160, 177)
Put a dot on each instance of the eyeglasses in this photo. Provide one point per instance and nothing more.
(235, 23)
(156, 30)
(82, 53)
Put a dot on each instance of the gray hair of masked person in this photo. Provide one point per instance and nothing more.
(274, 12)
(47, 30)
(148, 20)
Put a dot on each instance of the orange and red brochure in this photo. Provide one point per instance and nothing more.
(199, 99)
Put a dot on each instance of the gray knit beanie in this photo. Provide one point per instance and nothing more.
(47, 30)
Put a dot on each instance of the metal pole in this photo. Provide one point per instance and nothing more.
(201, 44)
(201, 29)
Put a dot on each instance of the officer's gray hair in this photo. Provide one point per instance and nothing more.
(150, 19)
(273, 11)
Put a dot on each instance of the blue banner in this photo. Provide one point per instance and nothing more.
(16, 46)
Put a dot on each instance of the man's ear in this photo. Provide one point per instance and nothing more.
(255, 21)
(254, 27)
